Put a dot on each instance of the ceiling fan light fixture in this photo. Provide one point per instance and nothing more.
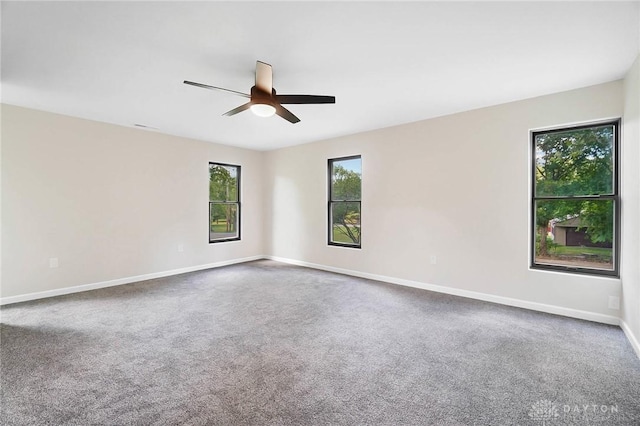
(263, 110)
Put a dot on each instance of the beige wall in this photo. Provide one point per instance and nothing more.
(560, 235)
(631, 202)
(110, 202)
(455, 187)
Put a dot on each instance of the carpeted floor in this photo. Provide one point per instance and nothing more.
(265, 343)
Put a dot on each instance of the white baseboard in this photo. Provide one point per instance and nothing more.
(534, 306)
(558, 310)
(120, 281)
(635, 344)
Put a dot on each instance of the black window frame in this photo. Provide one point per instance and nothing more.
(236, 203)
(331, 202)
(614, 197)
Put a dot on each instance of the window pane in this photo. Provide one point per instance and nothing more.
(223, 183)
(575, 162)
(345, 223)
(346, 179)
(223, 221)
(575, 233)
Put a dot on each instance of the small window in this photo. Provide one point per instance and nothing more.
(345, 187)
(224, 202)
(575, 202)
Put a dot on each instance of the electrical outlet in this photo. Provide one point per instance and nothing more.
(180, 247)
(53, 262)
(433, 259)
(614, 302)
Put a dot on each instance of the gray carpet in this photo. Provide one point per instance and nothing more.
(264, 343)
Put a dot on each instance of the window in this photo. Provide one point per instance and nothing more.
(575, 202)
(224, 202)
(345, 182)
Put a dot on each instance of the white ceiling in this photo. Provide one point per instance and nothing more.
(387, 63)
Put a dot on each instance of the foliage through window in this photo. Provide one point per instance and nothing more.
(575, 201)
(224, 202)
(345, 187)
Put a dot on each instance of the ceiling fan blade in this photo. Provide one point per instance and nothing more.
(205, 86)
(286, 114)
(305, 99)
(264, 77)
(239, 109)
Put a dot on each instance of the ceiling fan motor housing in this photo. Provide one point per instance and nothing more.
(261, 97)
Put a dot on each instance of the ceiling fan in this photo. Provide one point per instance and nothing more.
(263, 100)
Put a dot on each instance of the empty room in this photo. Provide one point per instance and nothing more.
(314, 213)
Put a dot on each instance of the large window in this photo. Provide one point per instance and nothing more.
(575, 201)
(224, 202)
(345, 187)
